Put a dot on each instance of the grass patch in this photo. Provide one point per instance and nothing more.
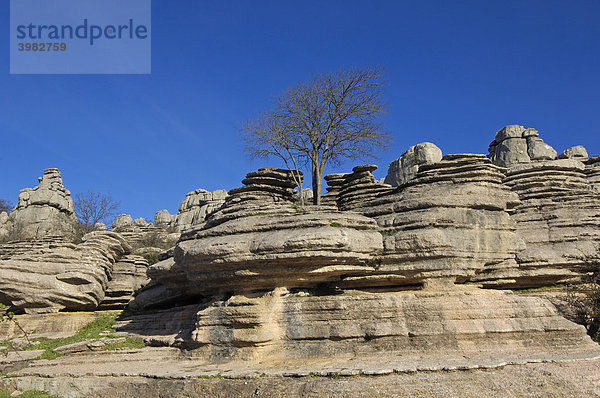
(93, 330)
(335, 224)
(27, 394)
(130, 342)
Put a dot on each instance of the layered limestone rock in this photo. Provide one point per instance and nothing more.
(592, 172)
(145, 238)
(406, 166)
(283, 326)
(49, 275)
(559, 220)
(127, 277)
(446, 224)
(44, 210)
(515, 144)
(260, 240)
(193, 210)
(359, 187)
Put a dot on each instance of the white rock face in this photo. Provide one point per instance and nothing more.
(515, 144)
(46, 210)
(406, 166)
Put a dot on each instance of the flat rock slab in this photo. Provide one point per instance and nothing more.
(172, 363)
(565, 379)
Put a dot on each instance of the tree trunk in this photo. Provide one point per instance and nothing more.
(316, 184)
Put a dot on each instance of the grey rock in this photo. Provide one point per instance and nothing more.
(576, 152)
(44, 210)
(122, 221)
(405, 168)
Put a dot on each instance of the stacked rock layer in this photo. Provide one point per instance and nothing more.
(449, 222)
(558, 218)
(49, 275)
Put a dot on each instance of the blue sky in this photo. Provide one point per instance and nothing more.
(457, 71)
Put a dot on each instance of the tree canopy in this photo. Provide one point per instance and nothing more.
(330, 118)
(93, 207)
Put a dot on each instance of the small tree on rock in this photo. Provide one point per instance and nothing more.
(330, 118)
(93, 207)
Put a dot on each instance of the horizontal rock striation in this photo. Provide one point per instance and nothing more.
(559, 220)
(360, 186)
(592, 172)
(288, 326)
(127, 277)
(49, 276)
(447, 223)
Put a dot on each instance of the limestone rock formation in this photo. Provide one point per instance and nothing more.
(122, 221)
(576, 152)
(261, 234)
(449, 222)
(128, 276)
(45, 210)
(559, 220)
(592, 172)
(359, 187)
(406, 166)
(193, 210)
(50, 274)
(284, 325)
(515, 144)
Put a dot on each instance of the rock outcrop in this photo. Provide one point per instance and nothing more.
(592, 172)
(50, 274)
(45, 210)
(193, 210)
(515, 144)
(406, 166)
(272, 281)
(576, 152)
(558, 218)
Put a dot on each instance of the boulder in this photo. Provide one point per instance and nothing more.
(406, 166)
(122, 221)
(576, 152)
(516, 144)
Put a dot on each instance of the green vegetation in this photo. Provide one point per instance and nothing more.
(27, 394)
(100, 327)
(152, 258)
(335, 224)
(585, 301)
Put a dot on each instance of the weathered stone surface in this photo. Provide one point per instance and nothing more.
(50, 276)
(406, 166)
(576, 152)
(592, 172)
(450, 221)
(128, 276)
(281, 326)
(515, 144)
(193, 210)
(122, 221)
(558, 218)
(45, 210)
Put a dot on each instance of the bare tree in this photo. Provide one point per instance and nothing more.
(93, 207)
(331, 118)
(5, 205)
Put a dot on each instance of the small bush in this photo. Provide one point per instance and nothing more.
(585, 302)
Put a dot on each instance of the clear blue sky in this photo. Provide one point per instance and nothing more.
(457, 70)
